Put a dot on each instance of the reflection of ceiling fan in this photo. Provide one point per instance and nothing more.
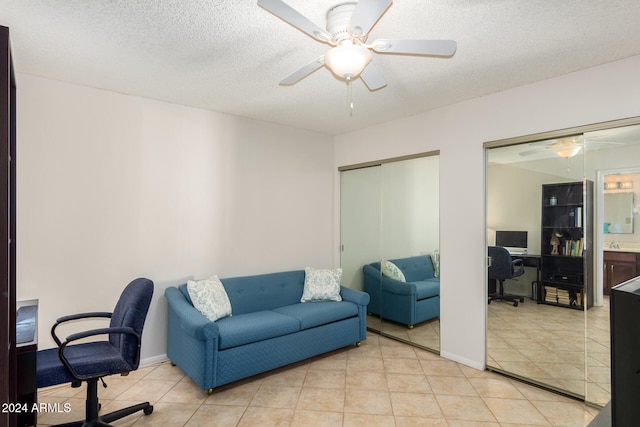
(563, 147)
(348, 25)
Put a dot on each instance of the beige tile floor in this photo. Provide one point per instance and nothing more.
(381, 383)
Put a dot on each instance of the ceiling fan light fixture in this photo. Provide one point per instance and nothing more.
(568, 151)
(568, 147)
(347, 60)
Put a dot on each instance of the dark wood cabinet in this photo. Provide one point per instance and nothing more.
(619, 267)
(625, 353)
(27, 388)
(565, 248)
(8, 380)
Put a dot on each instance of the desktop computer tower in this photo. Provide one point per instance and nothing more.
(625, 354)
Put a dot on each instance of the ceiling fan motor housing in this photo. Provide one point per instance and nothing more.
(338, 18)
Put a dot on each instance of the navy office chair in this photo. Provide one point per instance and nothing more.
(90, 361)
(503, 267)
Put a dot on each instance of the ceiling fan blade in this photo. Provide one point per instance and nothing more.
(372, 77)
(293, 17)
(416, 47)
(303, 72)
(366, 14)
(530, 152)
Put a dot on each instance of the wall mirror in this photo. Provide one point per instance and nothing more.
(618, 212)
(390, 211)
(553, 342)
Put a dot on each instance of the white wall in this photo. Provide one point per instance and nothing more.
(112, 187)
(603, 93)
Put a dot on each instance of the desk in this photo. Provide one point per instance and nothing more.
(27, 349)
(528, 260)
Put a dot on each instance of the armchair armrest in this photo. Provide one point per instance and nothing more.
(191, 320)
(89, 333)
(78, 316)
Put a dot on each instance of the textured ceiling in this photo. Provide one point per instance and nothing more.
(229, 55)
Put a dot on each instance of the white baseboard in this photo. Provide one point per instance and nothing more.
(467, 362)
(153, 360)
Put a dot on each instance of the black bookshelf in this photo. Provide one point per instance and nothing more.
(566, 214)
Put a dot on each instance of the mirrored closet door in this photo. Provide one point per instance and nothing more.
(612, 161)
(360, 200)
(410, 239)
(538, 233)
(390, 213)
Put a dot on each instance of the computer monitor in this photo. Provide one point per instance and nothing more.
(514, 241)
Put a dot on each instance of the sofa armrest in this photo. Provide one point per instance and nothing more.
(371, 278)
(192, 321)
(397, 287)
(358, 297)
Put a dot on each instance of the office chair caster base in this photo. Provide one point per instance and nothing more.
(148, 411)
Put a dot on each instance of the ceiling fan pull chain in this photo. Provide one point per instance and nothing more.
(350, 97)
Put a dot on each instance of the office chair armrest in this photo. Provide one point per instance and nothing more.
(78, 316)
(517, 264)
(83, 316)
(101, 331)
(89, 333)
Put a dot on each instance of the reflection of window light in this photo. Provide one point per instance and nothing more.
(618, 185)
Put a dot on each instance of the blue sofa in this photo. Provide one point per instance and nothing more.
(410, 302)
(269, 328)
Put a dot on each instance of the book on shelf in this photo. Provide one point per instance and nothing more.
(573, 247)
(563, 297)
(575, 217)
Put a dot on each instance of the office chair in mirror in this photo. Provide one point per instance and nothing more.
(502, 267)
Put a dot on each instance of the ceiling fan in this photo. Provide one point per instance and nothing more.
(348, 26)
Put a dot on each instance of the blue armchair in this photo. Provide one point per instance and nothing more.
(501, 268)
(90, 361)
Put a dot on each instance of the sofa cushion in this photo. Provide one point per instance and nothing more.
(252, 327)
(427, 288)
(415, 268)
(261, 292)
(312, 314)
(321, 285)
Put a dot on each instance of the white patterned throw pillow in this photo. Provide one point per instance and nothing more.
(435, 259)
(391, 270)
(321, 285)
(210, 298)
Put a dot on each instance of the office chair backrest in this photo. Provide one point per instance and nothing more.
(501, 266)
(131, 311)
